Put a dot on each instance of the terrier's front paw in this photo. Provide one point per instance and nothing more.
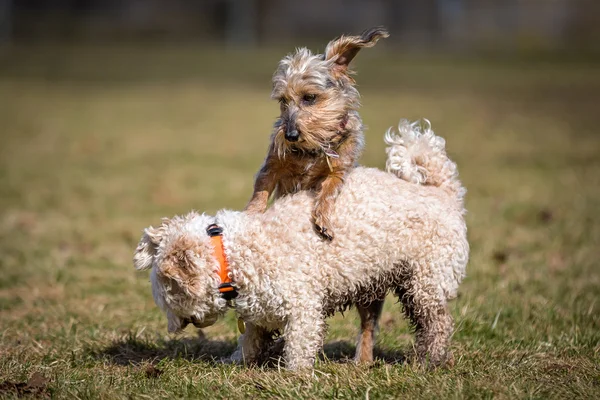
(323, 229)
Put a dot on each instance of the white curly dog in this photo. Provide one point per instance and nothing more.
(405, 235)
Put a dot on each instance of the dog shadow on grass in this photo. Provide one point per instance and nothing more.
(135, 351)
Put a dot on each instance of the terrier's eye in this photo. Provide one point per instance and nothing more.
(309, 98)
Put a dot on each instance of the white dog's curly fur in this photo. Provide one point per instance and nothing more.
(404, 235)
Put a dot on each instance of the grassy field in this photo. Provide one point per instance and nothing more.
(98, 143)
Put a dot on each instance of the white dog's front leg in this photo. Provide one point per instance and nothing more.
(304, 332)
(250, 345)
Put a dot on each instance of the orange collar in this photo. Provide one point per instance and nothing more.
(216, 238)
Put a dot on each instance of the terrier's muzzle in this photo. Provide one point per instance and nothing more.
(291, 131)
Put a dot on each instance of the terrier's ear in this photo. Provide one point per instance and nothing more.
(146, 249)
(343, 49)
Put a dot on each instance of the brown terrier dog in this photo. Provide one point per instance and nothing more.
(318, 137)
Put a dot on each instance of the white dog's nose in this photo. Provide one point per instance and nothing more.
(203, 324)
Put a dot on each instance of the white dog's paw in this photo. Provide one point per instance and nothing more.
(229, 361)
(237, 358)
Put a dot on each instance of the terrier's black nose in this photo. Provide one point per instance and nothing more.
(292, 136)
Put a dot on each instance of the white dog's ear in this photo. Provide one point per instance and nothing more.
(146, 249)
(174, 323)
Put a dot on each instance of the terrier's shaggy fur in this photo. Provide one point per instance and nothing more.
(404, 235)
(318, 137)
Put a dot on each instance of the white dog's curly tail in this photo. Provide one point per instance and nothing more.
(417, 155)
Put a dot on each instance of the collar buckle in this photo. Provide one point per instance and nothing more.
(214, 230)
(228, 291)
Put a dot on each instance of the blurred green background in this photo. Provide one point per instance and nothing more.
(115, 114)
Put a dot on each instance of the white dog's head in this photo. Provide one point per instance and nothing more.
(185, 273)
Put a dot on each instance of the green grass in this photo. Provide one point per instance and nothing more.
(98, 143)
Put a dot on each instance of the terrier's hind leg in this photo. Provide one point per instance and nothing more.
(369, 319)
